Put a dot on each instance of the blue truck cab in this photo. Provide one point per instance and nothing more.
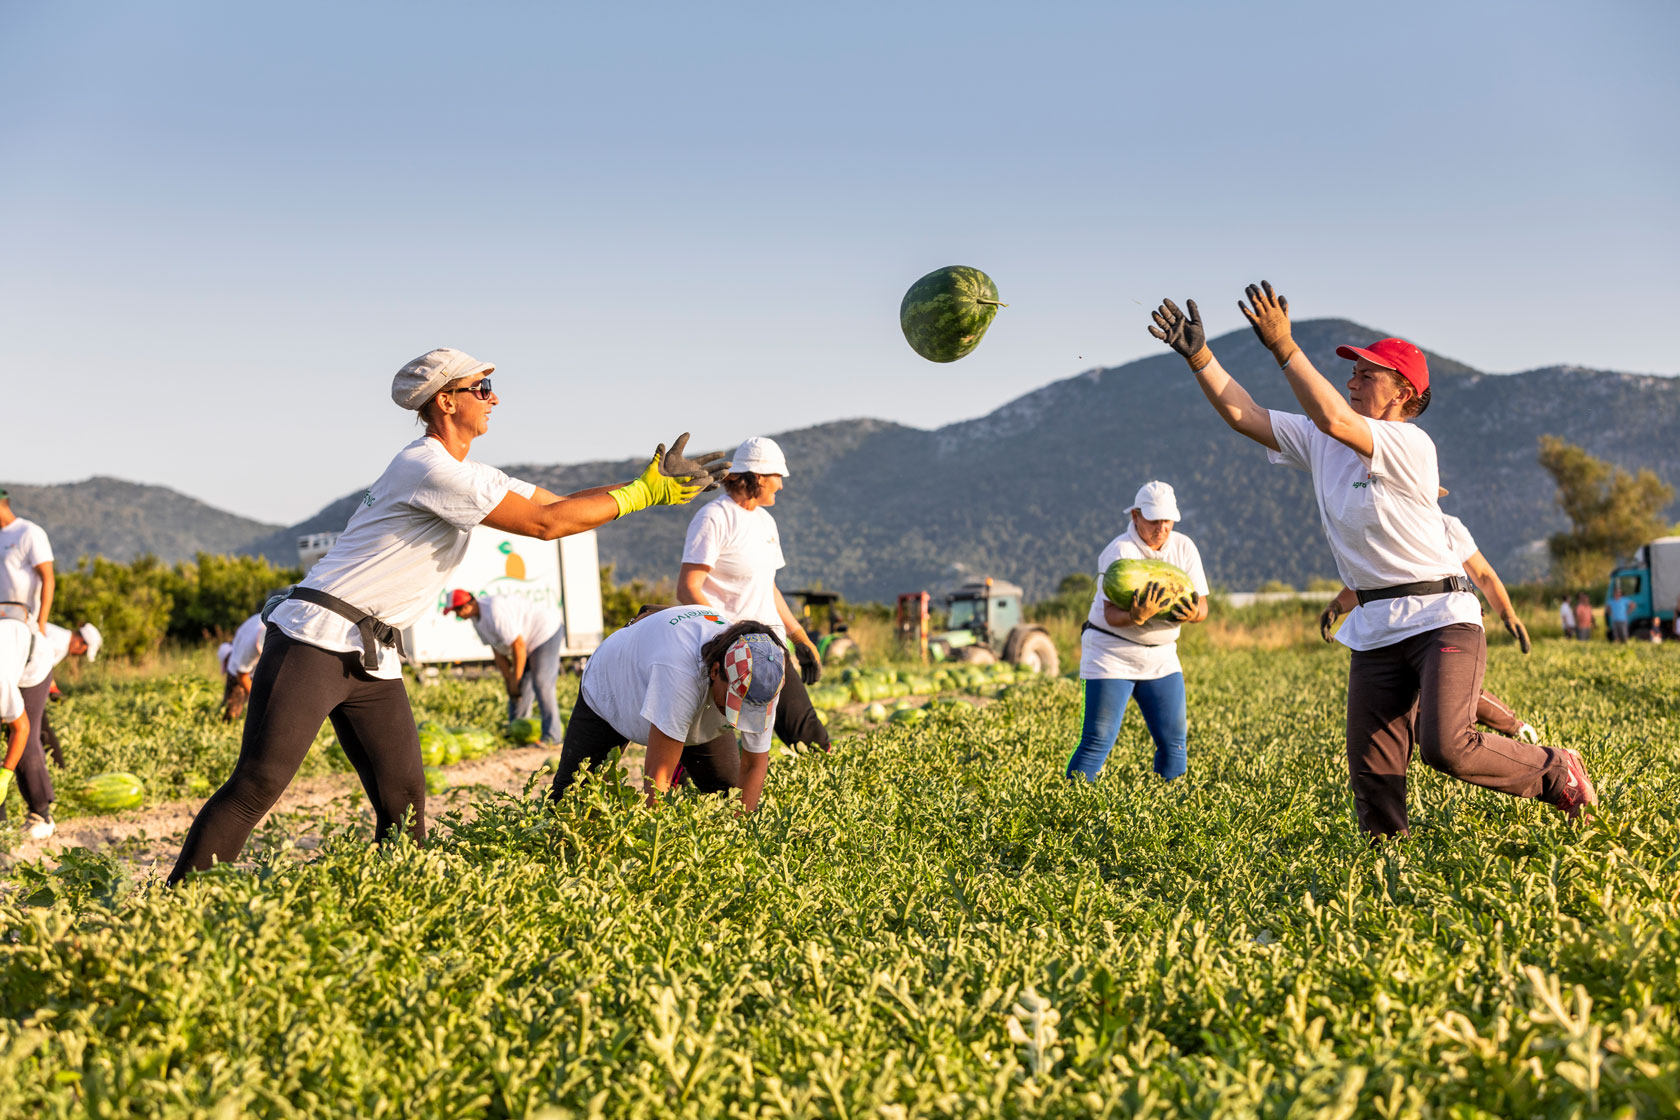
(1653, 584)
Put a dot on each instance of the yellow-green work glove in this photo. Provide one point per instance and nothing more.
(655, 488)
(5, 783)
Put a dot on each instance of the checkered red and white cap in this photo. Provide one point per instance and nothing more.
(752, 674)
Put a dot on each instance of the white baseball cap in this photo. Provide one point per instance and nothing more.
(1155, 500)
(419, 380)
(94, 639)
(758, 455)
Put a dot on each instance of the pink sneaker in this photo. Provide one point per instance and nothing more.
(1578, 791)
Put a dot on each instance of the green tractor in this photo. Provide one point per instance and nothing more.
(832, 637)
(983, 625)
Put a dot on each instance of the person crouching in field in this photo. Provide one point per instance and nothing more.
(51, 646)
(1416, 634)
(334, 648)
(526, 638)
(730, 559)
(683, 681)
(1491, 712)
(17, 638)
(242, 654)
(1134, 653)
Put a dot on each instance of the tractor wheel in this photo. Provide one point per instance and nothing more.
(839, 650)
(977, 655)
(1035, 652)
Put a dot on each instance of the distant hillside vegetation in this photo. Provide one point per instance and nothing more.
(1035, 488)
(122, 520)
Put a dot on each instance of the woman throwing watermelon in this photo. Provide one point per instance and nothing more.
(334, 647)
(1132, 651)
(1416, 634)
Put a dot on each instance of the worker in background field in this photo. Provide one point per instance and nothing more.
(526, 636)
(26, 564)
(730, 560)
(683, 681)
(35, 683)
(17, 639)
(1583, 617)
(1566, 616)
(1491, 711)
(335, 650)
(1132, 654)
(1618, 613)
(240, 658)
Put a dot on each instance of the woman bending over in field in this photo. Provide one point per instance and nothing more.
(1416, 634)
(334, 644)
(683, 681)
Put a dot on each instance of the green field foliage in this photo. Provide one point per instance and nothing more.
(927, 922)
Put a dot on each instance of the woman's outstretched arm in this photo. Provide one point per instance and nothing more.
(1184, 334)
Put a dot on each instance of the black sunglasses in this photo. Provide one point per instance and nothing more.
(481, 390)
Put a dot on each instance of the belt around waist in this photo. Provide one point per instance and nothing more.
(374, 632)
(1442, 586)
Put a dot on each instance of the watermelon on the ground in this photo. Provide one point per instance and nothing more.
(908, 715)
(111, 792)
(436, 780)
(475, 743)
(1126, 578)
(434, 743)
(945, 314)
(525, 731)
(876, 712)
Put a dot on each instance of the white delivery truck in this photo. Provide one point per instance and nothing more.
(566, 573)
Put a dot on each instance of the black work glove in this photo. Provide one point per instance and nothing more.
(1183, 609)
(1182, 332)
(709, 469)
(1328, 618)
(1515, 628)
(1150, 600)
(1270, 320)
(810, 666)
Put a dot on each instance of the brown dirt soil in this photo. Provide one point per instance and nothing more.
(150, 838)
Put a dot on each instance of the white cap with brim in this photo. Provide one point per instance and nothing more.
(419, 380)
(758, 455)
(94, 639)
(1156, 501)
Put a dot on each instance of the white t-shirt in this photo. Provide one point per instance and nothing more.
(50, 648)
(396, 553)
(744, 551)
(23, 545)
(247, 646)
(649, 675)
(1383, 524)
(1566, 614)
(1104, 657)
(1463, 545)
(502, 618)
(14, 656)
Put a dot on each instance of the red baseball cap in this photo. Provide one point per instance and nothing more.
(457, 600)
(1395, 353)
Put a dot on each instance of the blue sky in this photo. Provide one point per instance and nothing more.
(224, 226)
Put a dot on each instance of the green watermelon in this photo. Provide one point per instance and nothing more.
(945, 314)
(876, 712)
(111, 792)
(434, 743)
(436, 780)
(908, 715)
(525, 731)
(1125, 578)
(474, 742)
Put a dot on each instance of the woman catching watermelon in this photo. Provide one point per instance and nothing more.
(334, 648)
(1132, 651)
(1416, 634)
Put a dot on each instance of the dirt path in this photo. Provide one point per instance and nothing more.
(150, 838)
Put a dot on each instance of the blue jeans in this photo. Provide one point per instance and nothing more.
(1162, 704)
(536, 687)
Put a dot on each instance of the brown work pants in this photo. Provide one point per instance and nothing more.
(1439, 674)
(1493, 712)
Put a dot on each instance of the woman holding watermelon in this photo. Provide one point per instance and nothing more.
(334, 647)
(1131, 652)
(1416, 634)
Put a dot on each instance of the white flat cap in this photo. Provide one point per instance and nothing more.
(419, 380)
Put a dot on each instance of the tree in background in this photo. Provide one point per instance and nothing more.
(1611, 512)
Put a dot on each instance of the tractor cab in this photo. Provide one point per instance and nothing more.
(982, 624)
(987, 610)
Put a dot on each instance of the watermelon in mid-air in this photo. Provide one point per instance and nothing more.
(945, 314)
(1126, 578)
(111, 792)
